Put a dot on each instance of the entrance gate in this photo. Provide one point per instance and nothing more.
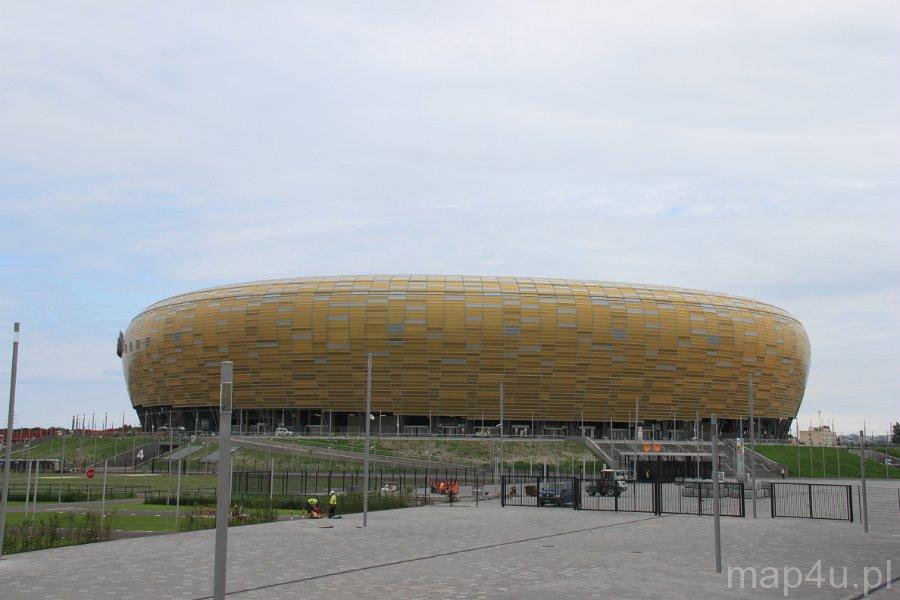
(655, 497)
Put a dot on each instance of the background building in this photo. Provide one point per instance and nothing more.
(818, 436)
(569, 354)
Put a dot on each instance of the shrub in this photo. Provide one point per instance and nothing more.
(56, 530)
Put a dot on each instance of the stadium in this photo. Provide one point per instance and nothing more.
(574, 357)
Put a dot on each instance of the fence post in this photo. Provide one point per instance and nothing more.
(772, 496)
(502, 491)
(850, 500)
(809, 495)
(699, 499)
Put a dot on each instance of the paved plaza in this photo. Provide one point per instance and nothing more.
(484, 552)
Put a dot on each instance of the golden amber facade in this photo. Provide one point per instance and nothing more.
(564, 349)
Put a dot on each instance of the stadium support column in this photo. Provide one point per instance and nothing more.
(7, 450)
(637, 402)
(223, 487)
(697, 438)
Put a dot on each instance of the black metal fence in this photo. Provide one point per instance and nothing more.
(655, 497)
(72, 492)
(525, 490)
(812, 500)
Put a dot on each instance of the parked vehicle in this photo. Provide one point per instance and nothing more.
(390, 487)
(556, 496)
(284, 431)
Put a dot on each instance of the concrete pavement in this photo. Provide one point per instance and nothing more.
(485, 552)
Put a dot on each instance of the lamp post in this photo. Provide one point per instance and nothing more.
(501, 432)
(864, 507)
(7, 451)
(223, 487)
(752, 450)
(715, 489)
(366, 452)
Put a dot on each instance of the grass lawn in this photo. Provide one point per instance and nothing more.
(87, 449)
(895, 452)
(117, 519)
(470, 452)
(837, 462)
(137, 482)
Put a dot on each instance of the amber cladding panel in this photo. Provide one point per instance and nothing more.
(442, 344)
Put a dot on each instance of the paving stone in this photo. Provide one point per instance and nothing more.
(467, 552)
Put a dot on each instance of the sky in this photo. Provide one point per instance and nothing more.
(148, 149)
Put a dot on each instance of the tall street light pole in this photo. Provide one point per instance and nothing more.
(366, 452)
(7, 451)
(752, 449)
(715, 489)
(223, 487)
(501, 432)
(863, 504)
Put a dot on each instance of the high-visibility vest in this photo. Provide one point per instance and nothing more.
(313, 501)
(333, 500)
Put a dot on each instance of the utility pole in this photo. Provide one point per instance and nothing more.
(223, 487)
(863, 504)
(7, 450)
(501, 432)
(752, 449)
(715, 489)
(62, 466)
(366, 453)
(837, 451)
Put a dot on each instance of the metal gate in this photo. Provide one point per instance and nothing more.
(525, 490)
(812, 500)
(653, 497)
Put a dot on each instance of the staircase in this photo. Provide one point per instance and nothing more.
(764, 467)
(606, 452)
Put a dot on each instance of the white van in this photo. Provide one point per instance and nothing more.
(284, 431)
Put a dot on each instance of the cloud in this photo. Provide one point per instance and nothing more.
(749, 148)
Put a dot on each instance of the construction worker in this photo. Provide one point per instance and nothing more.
(311, 505)
(332, 505)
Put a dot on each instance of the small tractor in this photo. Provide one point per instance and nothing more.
(606, 484)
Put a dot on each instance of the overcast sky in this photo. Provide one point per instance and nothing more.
(747, 148)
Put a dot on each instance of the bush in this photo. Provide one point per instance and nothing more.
(56, 530)
(347, 503)
(205, 517)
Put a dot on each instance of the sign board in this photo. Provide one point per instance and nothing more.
(90, 473)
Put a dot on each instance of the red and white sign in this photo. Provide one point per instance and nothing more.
(90, 473)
